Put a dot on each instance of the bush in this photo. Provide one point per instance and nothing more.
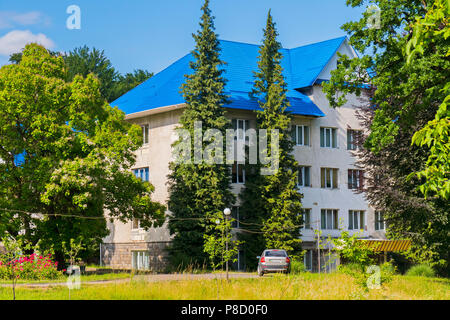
(32, 267)
(297, 266)
(421, 270)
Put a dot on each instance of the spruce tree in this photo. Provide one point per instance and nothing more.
(271, 204)
(199, 192)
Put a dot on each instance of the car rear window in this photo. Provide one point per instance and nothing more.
(275, 253)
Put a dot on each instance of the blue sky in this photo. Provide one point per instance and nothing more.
(151, 34)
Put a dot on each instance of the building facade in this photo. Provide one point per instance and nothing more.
(325, 143)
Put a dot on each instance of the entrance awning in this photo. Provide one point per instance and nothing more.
(387, 245)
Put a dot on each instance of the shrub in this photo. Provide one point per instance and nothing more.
(32, 267)
(297, 266)
(421, 270)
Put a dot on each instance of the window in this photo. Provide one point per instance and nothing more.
(356, 220)
(235, 216)
(306, 218)
(145, 130)
(238, 173)
(307, 260)
(142, 173)
(328, 219)
(328, 138)
(136, 224)
(241, 126)
(300, 135)
(303, 178)
(354, 139)
(329, 178)
(140, 260)
(355, 179)
(379, 220)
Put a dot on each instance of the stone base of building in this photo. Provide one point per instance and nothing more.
(151, 256)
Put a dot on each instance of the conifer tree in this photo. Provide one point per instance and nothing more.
(199, 192)
(271, 204)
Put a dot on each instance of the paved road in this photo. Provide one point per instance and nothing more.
(148, 278)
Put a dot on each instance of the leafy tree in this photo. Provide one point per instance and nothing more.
(216, 246)
(272, 201)
(126, 82)
(436, 133)
(66, 157)
(402, 98)
(200, 192)
(84, 61)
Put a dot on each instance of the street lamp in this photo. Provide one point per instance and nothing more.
(227, 213)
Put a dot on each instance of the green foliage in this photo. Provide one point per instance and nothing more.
(406, 100)
(421, 270)
(77, 154)
(200, 192)
(84, 61)
(216, 244)
(352, 250)
(435, 135)
(271, 203)
(297, 266)
(72, 250)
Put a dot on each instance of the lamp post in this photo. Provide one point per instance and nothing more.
(227, 213)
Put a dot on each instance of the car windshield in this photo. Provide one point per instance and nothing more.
(276, 253)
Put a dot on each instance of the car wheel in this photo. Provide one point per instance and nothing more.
(260, 273)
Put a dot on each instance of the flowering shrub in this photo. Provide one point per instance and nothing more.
(32, 267)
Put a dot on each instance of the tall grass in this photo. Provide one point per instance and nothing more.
(272, 287)
(421, 270)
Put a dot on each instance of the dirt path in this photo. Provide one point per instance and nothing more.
(148, 278)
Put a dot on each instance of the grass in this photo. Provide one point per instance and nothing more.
(274, 287)
(84, 278)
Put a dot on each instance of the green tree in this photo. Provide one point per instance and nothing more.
(401, 99)
(435, 25)
(125, 83)
(272, 202)
(199, 192)
(66, 157)
(84, 61)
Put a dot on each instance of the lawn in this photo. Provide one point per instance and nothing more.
(90, 277)
(304, 286)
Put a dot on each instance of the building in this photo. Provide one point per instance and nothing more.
(325, 139)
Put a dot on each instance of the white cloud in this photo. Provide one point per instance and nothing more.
(10, 19)
(16, 40)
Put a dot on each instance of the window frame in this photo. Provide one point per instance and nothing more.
(357, 217)
(333, 174)
(333, 137)
(302, 170)
(377, 215)
(354, 139)
(138, 225)
(325, 213)
(355, 179)
(235, 175)
(142, 173)
(145, 134)
(135, 261)
(308, 256)
(235, 214)
(306, 212)
(305, 132)
(235, 122)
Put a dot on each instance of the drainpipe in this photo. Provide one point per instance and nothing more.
(101, 264)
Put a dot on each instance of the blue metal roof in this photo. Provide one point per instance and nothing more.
(301, 66)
